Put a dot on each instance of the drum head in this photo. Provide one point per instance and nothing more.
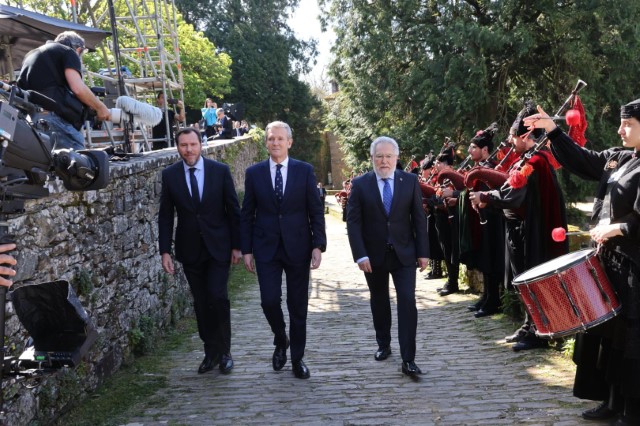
(553, 266)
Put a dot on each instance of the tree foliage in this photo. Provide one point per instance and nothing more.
(267, 59)
(206, 72)
(423, 70)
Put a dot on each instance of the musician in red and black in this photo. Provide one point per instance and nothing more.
(446, 215)
(533, 206)
(482, 238)
(608, 356)
(436, 254)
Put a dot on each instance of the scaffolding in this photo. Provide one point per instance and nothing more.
(146, 61)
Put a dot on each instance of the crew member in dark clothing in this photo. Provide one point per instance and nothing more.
(608, 355)
(55, 70)
(159, 131)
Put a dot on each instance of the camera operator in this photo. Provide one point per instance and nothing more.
(55, 70)
(159, 131)
(6, 259)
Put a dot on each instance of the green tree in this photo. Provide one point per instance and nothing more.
(206, 72)
(420, 71)
(267, 60)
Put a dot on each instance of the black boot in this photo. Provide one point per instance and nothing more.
(452, 282)
(436, 270)
(631, 415)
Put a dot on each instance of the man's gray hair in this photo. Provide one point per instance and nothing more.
(384, 139)
(280, 124)
(220, 110)
(70, 39)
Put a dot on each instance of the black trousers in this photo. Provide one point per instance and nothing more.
(208, 282)
(297, 279)
(404, 280)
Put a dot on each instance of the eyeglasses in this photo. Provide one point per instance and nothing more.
(83, 49)
(379, 157)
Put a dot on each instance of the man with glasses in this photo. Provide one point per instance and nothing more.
(55, 70)
(388, 236)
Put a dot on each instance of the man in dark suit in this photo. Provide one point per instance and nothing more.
(282, 229)
(388, 235)
(202, 193)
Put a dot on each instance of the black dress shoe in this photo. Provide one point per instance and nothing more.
(529, 342)
(382, 353)
(601, 412)
(300, 370)
(226, 364)
(208, 363)
(482, 312)
(280, 356)
(517, 336)
(410, 368)
(447, 291)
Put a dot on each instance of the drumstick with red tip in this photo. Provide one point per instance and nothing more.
(560, 234)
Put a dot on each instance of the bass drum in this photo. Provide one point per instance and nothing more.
(568, 294)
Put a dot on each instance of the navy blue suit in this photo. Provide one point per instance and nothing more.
(281, 237)
(205, 235)
(393, 244)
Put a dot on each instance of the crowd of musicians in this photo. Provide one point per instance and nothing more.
(496, 212)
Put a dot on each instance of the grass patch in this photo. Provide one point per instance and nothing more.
(114, 401)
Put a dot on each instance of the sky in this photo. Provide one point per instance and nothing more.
(305, 24)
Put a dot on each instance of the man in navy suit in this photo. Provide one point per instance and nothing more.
(207, 240)
(388, 236)
(282, 229)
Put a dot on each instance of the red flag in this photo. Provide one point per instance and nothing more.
(579, 124)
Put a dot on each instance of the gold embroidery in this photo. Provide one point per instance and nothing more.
(612, 164)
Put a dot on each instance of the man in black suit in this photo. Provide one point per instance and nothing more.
(283, 229)
(388, 235)
(202, 193)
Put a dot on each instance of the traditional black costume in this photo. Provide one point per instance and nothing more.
(608, 356)
(532, 210)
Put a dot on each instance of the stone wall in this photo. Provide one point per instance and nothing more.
(105, 243)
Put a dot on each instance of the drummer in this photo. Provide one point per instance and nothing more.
(608, 356)
(533, 206)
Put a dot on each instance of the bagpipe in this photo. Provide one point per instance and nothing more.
(519, 169)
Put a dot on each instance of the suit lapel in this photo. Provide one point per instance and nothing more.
(291, 176)
(265, 176)
(206, 174)
(398, 184)
(375, 191)
(182, 179)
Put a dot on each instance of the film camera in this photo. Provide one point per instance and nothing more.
(61, 332)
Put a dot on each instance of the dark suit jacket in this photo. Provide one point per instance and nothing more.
(369, 228)
(216, 218)
(298, 222)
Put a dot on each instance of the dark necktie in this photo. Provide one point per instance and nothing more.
(386, 196)
(195, 195)
(278, 183)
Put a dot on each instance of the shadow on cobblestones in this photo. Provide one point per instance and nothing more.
(470, 375)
